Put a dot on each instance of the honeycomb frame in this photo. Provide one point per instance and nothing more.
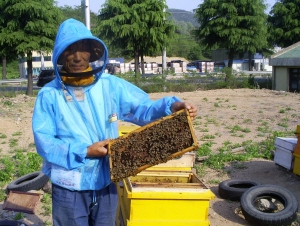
(157, 142)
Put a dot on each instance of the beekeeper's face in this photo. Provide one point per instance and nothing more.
(76, 57)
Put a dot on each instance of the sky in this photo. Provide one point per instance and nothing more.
(187, 5)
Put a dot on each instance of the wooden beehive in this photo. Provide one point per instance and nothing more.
(155, 143)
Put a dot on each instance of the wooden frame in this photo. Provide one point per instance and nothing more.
(155, 143)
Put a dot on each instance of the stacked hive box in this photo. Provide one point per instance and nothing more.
(296, 154)
(176, 67)
(183, 66)
(210, 66)
(284, 151)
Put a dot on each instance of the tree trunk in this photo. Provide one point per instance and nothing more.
(250, 61)
(228, 73)
(136, 66)
(29, 90)
(4, 67)
(230, 57)
(142, 64)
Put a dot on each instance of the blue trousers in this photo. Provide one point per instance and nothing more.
(84, 208)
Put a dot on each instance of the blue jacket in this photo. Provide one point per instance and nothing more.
(66, 120)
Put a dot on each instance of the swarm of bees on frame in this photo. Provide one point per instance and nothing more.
(150, 146)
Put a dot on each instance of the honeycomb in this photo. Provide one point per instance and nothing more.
(155, 143)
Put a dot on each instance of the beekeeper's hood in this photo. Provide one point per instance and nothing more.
(69, 32)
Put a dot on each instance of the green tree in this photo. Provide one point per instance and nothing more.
(77, 13)
(284, 22)
(138, 26)
(236, 25)
(28, 26)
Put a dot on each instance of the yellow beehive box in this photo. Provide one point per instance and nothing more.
(165, 198)
(158, 142)
(296, 167)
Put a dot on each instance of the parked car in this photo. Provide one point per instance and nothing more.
(45, 76)
(191, 67)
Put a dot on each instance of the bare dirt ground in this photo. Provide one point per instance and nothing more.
(219, 111)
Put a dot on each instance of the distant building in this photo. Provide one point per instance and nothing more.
(258, 62)
(286, 69)
(40, 60)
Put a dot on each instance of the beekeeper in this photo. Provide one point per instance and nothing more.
(76, 115)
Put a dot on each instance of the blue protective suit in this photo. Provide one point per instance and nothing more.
(66, 119)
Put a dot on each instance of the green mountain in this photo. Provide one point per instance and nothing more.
(183, 15)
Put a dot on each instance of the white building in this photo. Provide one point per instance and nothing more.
(40, 60)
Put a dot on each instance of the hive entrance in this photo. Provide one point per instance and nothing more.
(150, 145)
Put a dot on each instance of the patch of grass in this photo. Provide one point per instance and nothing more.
(205, 149)
(13, 142)
(21, 163)
(2, 195)
(19, 216)
(17, 134)
(247, 121)
(208, 137)
(214, 181)
(281, 111)
(2, 136)
(252, 150)
(237, 128)
(200, 170)
(8, 103)
(46, 200)
(7, 170)
(27, 162)
(203, 130)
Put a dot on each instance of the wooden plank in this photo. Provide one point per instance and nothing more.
(25, 202)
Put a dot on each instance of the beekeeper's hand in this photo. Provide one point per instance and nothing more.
(98, 149)
(176, 106)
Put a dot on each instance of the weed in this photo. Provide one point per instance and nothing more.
(196, 123)
(8, 169)
(235, 129)
(203, 130)
(17, 134)
(2, 195)
(246, 130)
(214, 181)
(207, 137)
(247, 121)
(282, 124)
(263, 129)
(200, 170)
(2, 136)
(205, 149)
(19, 216)
(8, 103)
(281, 111)
(13, 142)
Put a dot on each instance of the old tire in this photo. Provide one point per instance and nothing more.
(285, 201)
(31, 181)
(11, 223)
(233, 189)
